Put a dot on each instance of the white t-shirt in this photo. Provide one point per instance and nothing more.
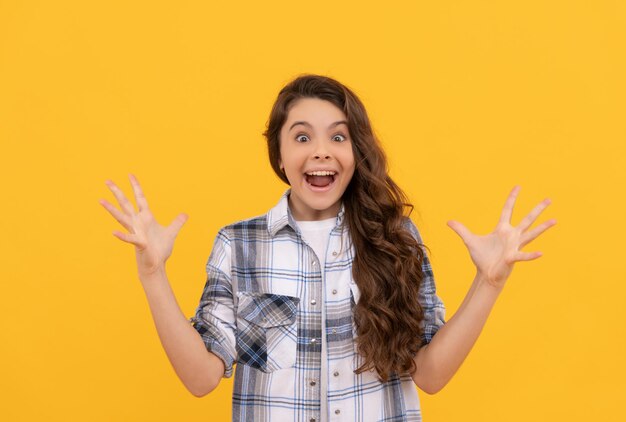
(316, 234)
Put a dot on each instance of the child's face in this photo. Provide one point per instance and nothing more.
(316, 154)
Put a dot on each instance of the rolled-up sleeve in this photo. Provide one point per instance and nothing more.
(434, 309)
(215, 315)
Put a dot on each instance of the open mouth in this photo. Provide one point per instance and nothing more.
(320, 179)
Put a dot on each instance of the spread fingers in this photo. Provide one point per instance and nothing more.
(122, 218)
(125, 204)
(532, 234)
(533, 214)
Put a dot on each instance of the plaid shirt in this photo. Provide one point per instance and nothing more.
(261, 308)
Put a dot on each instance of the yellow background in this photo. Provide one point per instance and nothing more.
(469, 98)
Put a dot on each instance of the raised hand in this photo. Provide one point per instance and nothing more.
(153, 242)
(495, 254)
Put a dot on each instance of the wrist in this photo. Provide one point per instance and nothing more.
(485, 282)
(152, 275)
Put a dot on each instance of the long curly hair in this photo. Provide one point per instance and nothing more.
(387, 266)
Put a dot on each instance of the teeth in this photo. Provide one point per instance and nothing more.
(321, 173)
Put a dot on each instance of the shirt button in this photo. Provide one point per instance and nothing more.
(312, 420)
(336, 373)
(313, 263)
(334, 331)
(337, 411)
(335, 253)
(313, 302)
(312, 383)
(334, 291)
(313, 341)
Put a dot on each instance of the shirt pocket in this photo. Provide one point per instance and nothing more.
(267, 331)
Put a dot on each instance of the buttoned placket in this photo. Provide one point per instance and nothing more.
(332, 254)
(325, 285)
(313, 299)
(315, 383)
(330, 291)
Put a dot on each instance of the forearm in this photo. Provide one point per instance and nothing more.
(438, 361)
(198, 369)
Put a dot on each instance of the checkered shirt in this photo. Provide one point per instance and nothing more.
(261, 309)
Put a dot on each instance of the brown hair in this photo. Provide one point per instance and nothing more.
(387, 266)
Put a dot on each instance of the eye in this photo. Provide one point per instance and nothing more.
(339, 138)
(299, 138)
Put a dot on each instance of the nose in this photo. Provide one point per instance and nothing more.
(321, 152)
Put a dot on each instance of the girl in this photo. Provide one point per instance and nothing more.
(326, 303)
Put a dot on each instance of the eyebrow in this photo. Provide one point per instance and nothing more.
(307, 124)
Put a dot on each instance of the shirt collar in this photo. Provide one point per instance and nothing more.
(280, 216)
